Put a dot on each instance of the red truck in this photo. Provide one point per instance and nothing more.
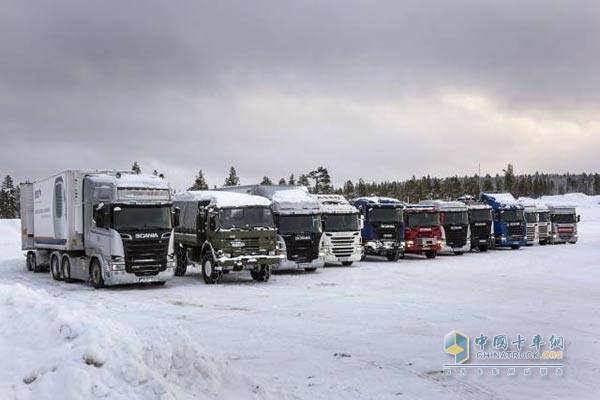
(422, 230)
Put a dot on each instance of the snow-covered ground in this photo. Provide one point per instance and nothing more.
(370, 331)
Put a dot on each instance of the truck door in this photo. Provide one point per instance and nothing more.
(201, 221)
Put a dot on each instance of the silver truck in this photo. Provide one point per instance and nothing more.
(530, 211)
(564, 221)
(544, 224)
(102, 226)
(298, 221)
(341, 240)
(456, 230)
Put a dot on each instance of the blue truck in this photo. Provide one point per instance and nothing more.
(383, 229)
(509, 220)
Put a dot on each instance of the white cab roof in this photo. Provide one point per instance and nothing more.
(222, 198)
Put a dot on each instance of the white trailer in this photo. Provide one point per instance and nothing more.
(106, 227)
(341, 241)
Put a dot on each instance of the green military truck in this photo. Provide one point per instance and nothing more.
(225, 232)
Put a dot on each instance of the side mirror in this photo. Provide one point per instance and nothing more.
(578, 218)
(176, 213)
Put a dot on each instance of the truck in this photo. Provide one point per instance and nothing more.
(530, 211)
(341, 241)
(564, 221)
(456, 232)
(481, 226)
(383, 228)
(544, 223)
(423, 230)
(225, 232)
(106, 227)
(297, 217)
(509, 220)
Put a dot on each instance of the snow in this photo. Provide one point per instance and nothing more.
(370, 331)
(378, 199)
(505, 198)
(223, 199)
(129, 180)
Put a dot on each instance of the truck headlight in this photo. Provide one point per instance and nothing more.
(117, 267)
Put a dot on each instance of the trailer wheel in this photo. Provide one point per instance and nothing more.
(209, 273)
(346, 263)
(36, 267)
(55, 268)
(65, 269)
(96, 275)
(182, 261)
(430, 254)
(29, 261)
(263, 274)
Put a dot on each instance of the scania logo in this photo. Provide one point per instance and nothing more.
(387, 226)
(300, 237)
(146, 235)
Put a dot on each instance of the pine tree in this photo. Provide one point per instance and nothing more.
(8, 199)
(361, 187)
(232, 179)
(281, 182)
(136, 168)
(322, 180)
(266, 181)
(509, 179)
(303, 180)
(292, 180)
(199, 182)
(348, 188)
(488, 184)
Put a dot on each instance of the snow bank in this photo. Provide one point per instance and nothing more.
(10, 238)
(52, 349)
(579, 200)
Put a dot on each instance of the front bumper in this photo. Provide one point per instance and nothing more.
(247, 262)
(554, 238)
(507, 242)
(112, 278)
(449, 249)
(382, 248)
(286, 264)
(332, 258)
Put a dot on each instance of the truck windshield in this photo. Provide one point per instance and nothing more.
(141, 217)
(423, 219)
(385, 214)
(299, 223)
(340, 222)
(481, 215)
(512, 215)
(564, 218)
(544, 217)
(456, 218)
(531, 217)
(246, 218)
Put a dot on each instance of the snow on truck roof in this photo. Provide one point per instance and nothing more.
(147, 181)
(223, 199)
(378, 200)
(444, 205)
(504, 198)
(335, 204)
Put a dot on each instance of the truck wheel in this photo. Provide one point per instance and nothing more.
(542, 242)
(29, 262)
(159, 283)
(55, 268)
(36, 267)
(182, 261)
(96, 275)
(310, 269)
(430, 254)
(392, 256)
(346, 263)
(483, 247)
(515, 247)
(65, 269)
(209, 273)
(363, 257)
(458, 253)
(263, 274)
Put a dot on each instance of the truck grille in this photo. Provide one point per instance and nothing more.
(145, 257)
(251, 245)
(343, 246)
(530, 233)
(481, 232)
(455, 237)
(387, 233)
(302, 251)
(515, 232)
(543, 230)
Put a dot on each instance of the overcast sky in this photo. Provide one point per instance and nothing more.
(373, 89)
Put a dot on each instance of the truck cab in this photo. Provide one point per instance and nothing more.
(456, 231)
(341, 240)
(509, 220)
(225, 232)
(107, 227)
(423, 230)
(297, 217)
(481, 226)
(530, 211)
(544, 223)
(383, 227)
(564, 221)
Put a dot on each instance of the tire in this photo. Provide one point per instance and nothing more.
(182, 261)
(96, 279)
(29, 263)
(458, 253)
(65, 269)
(430, 254)
(310, 269)
(263, 274)
(515, 247)
(160, 283)
(55, 268)
(210, 275)
(542, 242)
(34, 264)
(392, 256)
(483, 248)
(346, 263)
(363, 257)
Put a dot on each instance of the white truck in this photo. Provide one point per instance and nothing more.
(530, 210)
(102, 226)
(341, 240)
(564, 220)
(544, 223)
(298, 221)
(456, 230)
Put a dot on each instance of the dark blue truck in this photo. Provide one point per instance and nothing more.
(383, 230)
